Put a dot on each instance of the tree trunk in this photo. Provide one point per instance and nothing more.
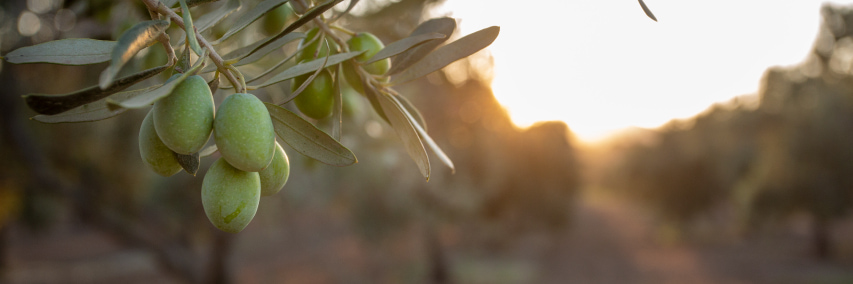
(217, 270)
(821, 241)
(438, 272)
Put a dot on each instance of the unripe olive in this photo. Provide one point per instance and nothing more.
(155, 154)
(275, 175)
(230, 196)
(244, 133)
(372, 45)
(184, 119)
(309, 52)
(318, 99)
(275, 19)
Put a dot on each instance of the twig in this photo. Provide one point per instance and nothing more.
(158, 7)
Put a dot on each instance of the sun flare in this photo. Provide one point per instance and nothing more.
(605, 67)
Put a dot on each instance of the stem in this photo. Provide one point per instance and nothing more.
(157, 6)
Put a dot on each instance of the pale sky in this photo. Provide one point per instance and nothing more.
(602, 66)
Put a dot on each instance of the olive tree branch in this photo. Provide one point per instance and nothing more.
(157, 6)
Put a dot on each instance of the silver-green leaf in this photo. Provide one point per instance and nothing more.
(72, 51)
(149, 98)
(402, 45)
(189, 29)
(416, 123)
(444, 26)
(405, 131)
(208, 20)
(449, 53)
(307, 139)
(56, 104)
(94, 111)
(132, 41)
(308, 67)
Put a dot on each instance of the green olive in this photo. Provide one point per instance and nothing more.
(184, 119)
(372, 45)
(310, 51)
(275, 175)
(155, 154)
(275, 19)
(317, 100)
(230, 196)
(244, 133)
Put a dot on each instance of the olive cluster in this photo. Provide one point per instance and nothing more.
(317, 99)
(252, 165)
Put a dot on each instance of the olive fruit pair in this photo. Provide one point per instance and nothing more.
(230, 196)
(179, 123)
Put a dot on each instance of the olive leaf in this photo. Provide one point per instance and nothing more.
(423, 134)
(189, 29)
(444, 26)
(415, 114)
(191, 3)
(72, 51)
(191, 162)
(244, 56)
(55, 104)
(249, 17)
(647, 11)
(208, 20)
(307, 139)
(308, 16)
(402, 45)
(449, 53)
(132, 41)
(148, 98)
(92, 111)
(308, 67)
(405, 131)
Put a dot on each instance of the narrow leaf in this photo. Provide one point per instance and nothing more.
(55, 104)
(444, 26)
(190, 162)
(183, 63)
(132, 41)
(248, 54)
(448, 54)
(190, 29)
(208, 20)
(307, 139)
(92, 111)
(402, 45)
(308, 67)
(72, 51)
(249, 17)
(647, 11)
(256, 55)
(423, 134)
(308, 16)
(406, 132)
(149, 98)
(415, 114)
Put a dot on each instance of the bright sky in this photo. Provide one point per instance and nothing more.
(602, 66)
